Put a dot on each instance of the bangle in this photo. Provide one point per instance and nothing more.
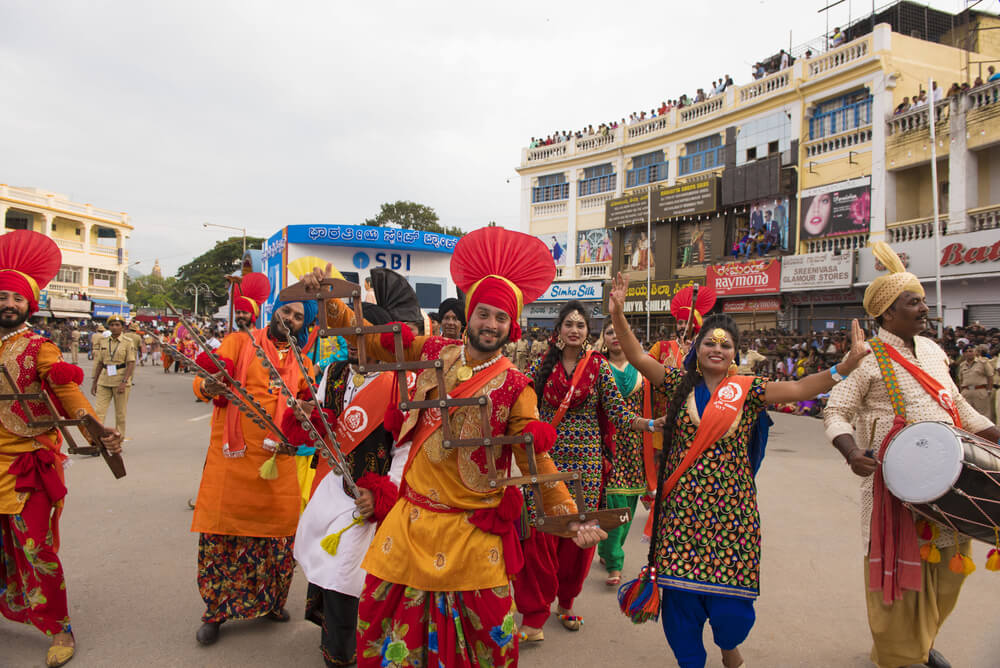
(649, 425)
(836, 376)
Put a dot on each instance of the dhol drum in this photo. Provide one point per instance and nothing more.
(948, 475)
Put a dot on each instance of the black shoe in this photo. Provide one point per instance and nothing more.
(208, 633)
(935, 659)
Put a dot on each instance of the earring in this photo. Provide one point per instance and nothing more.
(733, 368)
(560, 344)
(697, 365)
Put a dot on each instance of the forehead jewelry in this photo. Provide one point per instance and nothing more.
(575, 317)
(718, 336)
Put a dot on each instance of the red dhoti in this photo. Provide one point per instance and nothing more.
(32, 588)
(553, 566)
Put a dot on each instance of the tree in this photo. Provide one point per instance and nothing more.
(411, 216)
(154, 291)
(211, 268)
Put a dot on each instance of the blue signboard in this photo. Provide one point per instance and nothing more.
(107, 310)
(582, 290)
(370, 237)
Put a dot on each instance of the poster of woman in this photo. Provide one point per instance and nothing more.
(558, 245)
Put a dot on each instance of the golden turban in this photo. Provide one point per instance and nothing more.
(884, 290)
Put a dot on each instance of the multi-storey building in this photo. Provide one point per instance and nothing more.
(797, 171)
(94, 245)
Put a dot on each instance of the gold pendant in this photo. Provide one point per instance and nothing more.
(464, 373)
(358, 380)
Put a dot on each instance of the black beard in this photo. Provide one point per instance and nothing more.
(242, 322)
(11, 318)
(475, 343)
(276, 331)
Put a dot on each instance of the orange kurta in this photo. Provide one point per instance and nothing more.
(233, 499)
(443, 551)
(12, 445)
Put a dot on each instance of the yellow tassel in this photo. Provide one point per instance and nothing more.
(930, 553)
(269, 469)
(332, 542)
(969, 565)
(993, 562)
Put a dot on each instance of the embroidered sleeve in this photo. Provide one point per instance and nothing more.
(72, 399)
(671, 377)
(338, 315)
(612, 400)
(755, 396)
(555, 496)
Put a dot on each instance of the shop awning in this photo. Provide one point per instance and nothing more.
(44, 313)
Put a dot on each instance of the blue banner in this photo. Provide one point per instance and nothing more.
(370, 237)
(107, 310)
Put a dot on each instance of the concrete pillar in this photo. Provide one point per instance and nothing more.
(3, 218)
(47, 224)
(881, 107)
(570, 271)
(963, 170)
(86, 237)
(620, 169)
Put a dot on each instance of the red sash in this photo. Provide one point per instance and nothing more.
(578, 372)
(724, 408)
(928, 382)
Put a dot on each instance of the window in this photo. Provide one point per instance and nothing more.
(102, 278)
(647, 168)
(550, 187)
(69, 274)
(701, 154)
(598, 179)
(428, 295)
(18, 221)
(106, 237)
(843, 113)
(763, 136)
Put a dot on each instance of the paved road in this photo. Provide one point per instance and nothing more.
(130, 563)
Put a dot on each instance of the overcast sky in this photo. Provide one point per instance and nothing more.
(262, 114)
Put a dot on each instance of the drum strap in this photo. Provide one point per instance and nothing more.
(930, 384)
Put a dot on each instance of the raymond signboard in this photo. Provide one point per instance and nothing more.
(745, 278)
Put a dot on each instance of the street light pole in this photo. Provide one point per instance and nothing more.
(230, 227)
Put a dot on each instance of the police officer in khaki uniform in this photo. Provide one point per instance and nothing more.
(521, 352)
(132, 334)
(114, 364)
(74, 344)
(975, 379)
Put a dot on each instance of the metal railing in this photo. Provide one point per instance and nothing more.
(640, 176)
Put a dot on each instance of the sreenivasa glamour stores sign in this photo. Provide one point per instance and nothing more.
(745, 278)
(814, 271)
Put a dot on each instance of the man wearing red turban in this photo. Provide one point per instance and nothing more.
(32, 484)
(441, 561)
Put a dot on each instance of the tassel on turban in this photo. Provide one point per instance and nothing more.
(884, 290)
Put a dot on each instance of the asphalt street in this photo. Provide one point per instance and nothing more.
(130, 562)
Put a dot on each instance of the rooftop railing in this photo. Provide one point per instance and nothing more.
(59, 204)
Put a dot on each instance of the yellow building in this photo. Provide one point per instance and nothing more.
(810, 159)
(94, 245)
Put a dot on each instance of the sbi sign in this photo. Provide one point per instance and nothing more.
(394, 261)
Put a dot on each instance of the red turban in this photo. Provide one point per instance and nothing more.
(28, 261)
(251, 292)
(503, 269)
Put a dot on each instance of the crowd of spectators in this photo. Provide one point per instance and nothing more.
(779, 354)
(921, 98)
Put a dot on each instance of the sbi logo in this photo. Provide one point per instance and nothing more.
(395, 261)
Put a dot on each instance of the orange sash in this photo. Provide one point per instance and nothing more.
(365, 413)
(724, 408)
(581, 367)
(928, 382)
(431, 419)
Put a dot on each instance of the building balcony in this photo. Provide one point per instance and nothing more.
(735, 99)
(984, 218)
(592, 202)
(592, 271)
(69, 244)
(839, 142)
(841, 243)
(915, 229)
(548, 209)
(916, 120)
(59, 205)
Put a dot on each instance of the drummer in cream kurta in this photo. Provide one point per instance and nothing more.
(858, 417)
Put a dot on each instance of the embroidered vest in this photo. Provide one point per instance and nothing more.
(500, 392)
(20, 356)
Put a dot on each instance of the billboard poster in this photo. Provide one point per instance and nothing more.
(593, 246)
(836, 209)
(637, 249)
(771, 217)
(558, 245)
(745, 278)
(686, 199)
(813, 271)
(627, 210)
